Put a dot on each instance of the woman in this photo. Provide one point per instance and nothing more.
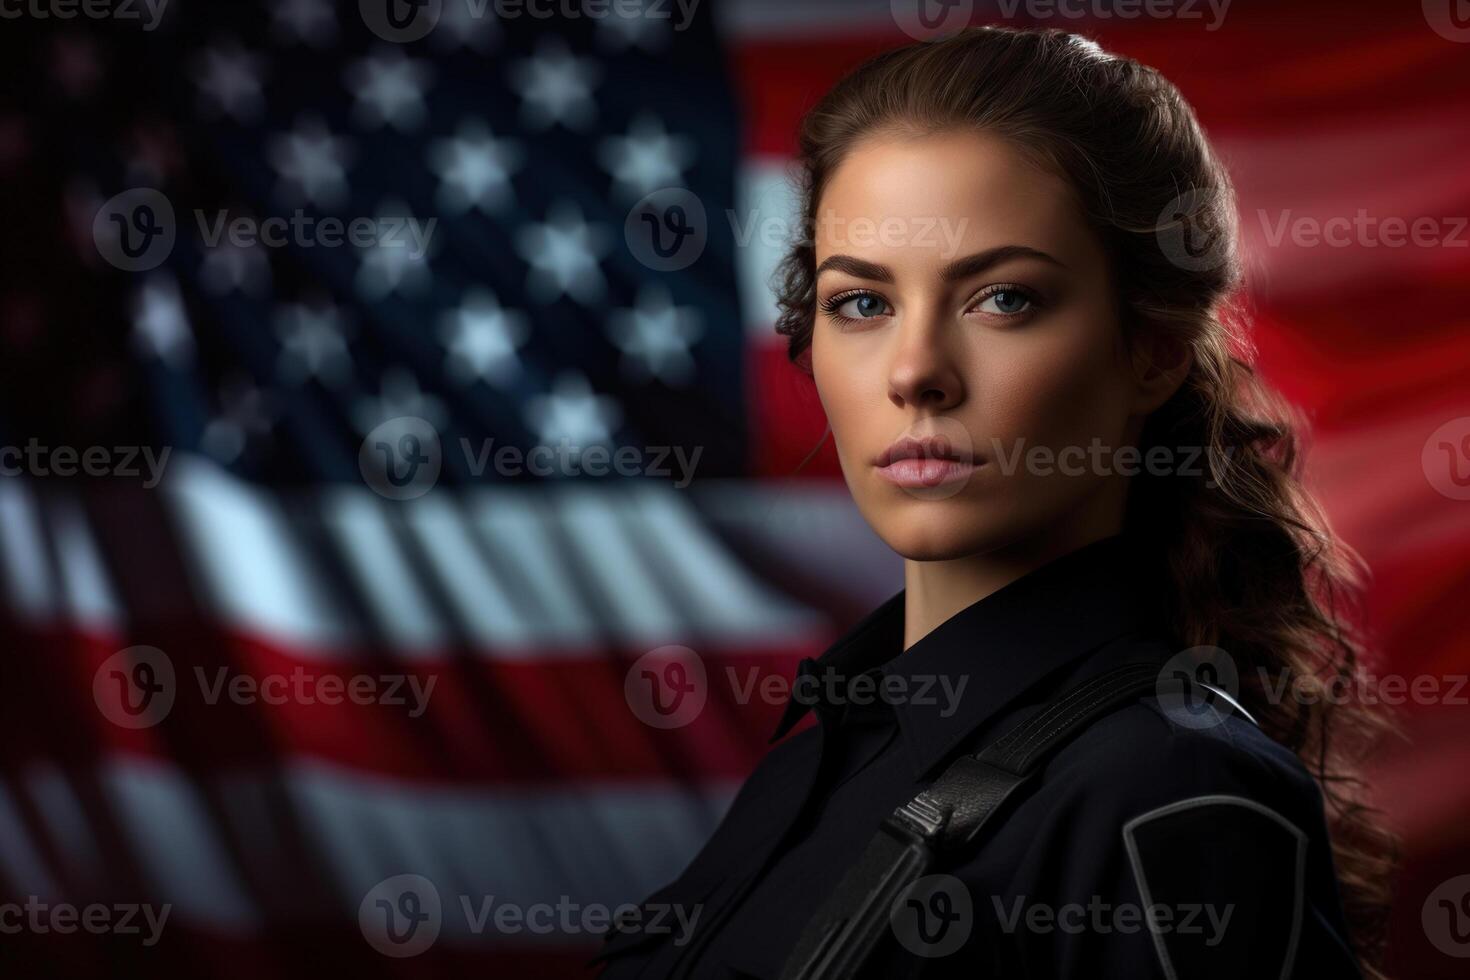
(1016, 301)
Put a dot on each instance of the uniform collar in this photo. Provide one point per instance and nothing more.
(980, 660)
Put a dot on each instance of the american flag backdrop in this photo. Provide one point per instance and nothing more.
(312, 281)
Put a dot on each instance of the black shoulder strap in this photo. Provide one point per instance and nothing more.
(946, 816)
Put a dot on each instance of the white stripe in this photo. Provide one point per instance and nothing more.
(66, 823)
(810, 529)
(764, 224)
(722, 599)
(175, 840)
(602, 536)
(605, 844)
(88, 591)
(519, 527)
(20, 858)
(361, 526)
(252, 566)
(478, 598)
(566, 568)
(23, 553)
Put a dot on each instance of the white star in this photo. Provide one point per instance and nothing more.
(466, 23)
(398, 259)
(399, 395)
(244, 412)
(312, 22)
(313, 344)
(389, 88)
(228, 267)
(563, 256)
(572, 415)
(229, 78)
(312, 163)
(655, 336)
(647, 158)
(555, 86)
(160, 327)
(474, 169)
(627, 28)
(482, 340)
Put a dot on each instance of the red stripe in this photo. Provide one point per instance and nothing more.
(552, 720)
(1304, 61)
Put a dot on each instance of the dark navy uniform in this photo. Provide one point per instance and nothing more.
(1168, 840)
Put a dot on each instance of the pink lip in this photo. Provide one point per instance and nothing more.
(912, 472)
(925, 462)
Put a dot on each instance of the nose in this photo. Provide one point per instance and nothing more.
(922, 372)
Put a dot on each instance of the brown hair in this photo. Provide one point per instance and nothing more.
(1249, 562)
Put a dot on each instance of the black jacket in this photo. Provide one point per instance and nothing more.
(1170, 839)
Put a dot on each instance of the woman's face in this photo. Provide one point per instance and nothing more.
(961, 297)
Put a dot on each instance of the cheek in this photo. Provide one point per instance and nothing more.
(844, 387)
(1059, 390)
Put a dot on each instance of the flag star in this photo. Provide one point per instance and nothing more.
(474, 169)
(160, 327)
(466, 23)
(313, 344)
(563, 254)
(572, 414)
(397, 261)
(640, 28)
(398, 395)
(482, 340)
(389, 89)
(229, 78)
(245, 413)
(647, 158)
(655, 336)
(555, 86)
(312, 22)
(229, 266)
(311, 162)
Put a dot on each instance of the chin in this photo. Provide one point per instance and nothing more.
(936, 531)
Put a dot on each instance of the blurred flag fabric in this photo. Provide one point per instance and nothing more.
(300, 668)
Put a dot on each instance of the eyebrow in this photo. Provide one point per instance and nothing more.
(958, 269)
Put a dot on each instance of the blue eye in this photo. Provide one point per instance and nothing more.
(856, 306)
(1008, 301)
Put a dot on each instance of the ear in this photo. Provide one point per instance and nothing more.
(1161, 362)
